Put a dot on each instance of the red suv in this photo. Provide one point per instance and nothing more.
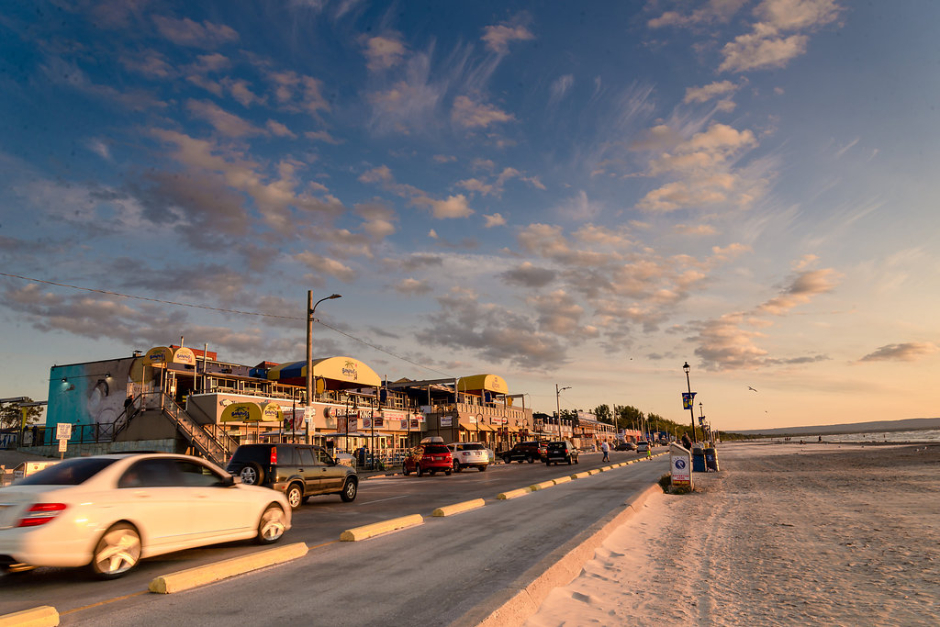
(428, 458)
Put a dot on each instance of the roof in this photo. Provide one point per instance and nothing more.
(339, 373)
(480, 382)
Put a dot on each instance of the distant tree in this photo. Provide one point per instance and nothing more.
(11, 415)
(628, 417)
(603, 414)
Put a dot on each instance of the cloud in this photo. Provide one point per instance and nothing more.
(493, 333)
(723, 345)
(100, 148)
(494, 220)
(797, 14)
(413, 287)
(499, 37)
(528, 275)
(279, 129)
(560, 87)
(186, 32)
(298, 93)
(761, 49)
(710, 12)
(228, 124)
(803, 288)
(321, 265)
(470, 114)
(384, 52)
(707, 92)
(694, 229)
(452, 207)
(909, 351)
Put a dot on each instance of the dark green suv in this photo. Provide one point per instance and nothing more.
(525, 452)
(298, 470)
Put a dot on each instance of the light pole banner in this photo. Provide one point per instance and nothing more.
(687, 398)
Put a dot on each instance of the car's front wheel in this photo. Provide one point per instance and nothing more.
(418, 470)
(295, 495)
(349, 490)
(404, 469)
(117, 552)
(457, 466)
(272, 525)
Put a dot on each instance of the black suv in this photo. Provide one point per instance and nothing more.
(298, 470)
(561, 451)
(525, 452)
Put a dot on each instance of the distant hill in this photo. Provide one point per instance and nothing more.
(911, 424)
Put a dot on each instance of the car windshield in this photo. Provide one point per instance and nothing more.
(69, 472)
(557, 445)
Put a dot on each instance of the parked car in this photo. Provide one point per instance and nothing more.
(469, 455)
(642, 447)
(110, 511)
(525, 452)
(428, 458)
(298, 470)
(561, 451)
(625, 446)
(490, 455)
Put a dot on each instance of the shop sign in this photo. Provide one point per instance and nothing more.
(352, 424)
(341, 425)
(447, 421)
(393, 415)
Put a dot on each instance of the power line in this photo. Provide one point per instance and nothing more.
(220, 309)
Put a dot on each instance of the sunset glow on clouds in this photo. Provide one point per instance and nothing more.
(583, 195)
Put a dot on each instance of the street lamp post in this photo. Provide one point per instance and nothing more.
(310, 311)
(558, 391)
(686, 368)
(701, 421)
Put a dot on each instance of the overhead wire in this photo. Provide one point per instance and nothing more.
(222, 310)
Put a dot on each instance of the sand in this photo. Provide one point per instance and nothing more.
(784, 535)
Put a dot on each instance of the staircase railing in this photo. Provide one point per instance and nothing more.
(212, 443)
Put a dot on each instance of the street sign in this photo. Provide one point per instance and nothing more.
(63, 430)
(63, 445)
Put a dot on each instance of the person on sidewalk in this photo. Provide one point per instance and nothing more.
(605, 449)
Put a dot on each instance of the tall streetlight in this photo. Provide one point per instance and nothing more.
(310, 312)
(558, 391)
(686, 368)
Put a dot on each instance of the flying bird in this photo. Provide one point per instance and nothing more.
(750, 388)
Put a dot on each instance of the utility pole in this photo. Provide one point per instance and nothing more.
(558, 391)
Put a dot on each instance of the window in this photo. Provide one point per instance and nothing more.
(194, 474)
(70, 472)
(306, 457)
(150, 473)
(323, 457)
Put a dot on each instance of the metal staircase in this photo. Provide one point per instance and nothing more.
(212, 443)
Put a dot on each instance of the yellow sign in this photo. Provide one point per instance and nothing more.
(158, 356)
(241, 412)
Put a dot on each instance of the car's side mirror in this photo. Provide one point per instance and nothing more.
(229, 481)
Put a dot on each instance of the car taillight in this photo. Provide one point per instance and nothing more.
(41, 513)
(274, 456)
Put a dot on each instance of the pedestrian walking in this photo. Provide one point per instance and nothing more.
(649, 452)
(605, 448)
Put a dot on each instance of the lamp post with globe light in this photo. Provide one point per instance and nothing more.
(687, 368)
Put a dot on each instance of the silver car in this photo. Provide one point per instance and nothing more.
(469, 455)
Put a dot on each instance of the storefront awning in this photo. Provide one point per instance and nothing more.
(252, 412)
(337, 372)
(481, 382)
(160, 356)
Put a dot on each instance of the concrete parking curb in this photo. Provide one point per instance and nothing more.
(505, 496)
(522, 598)
(201, 575)
(581, 475)
(561, 480)
(541, 486)
(376, 529)
(457, 508)
(42, 616)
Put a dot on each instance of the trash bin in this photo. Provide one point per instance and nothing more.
(711, 458)
(698, 459)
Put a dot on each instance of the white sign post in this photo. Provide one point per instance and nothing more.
(63, 433)
(680, 464)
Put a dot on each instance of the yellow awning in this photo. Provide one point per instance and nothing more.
(338, 372)
(479, 382)
(271, 412)
(242, 412)
(158, 356)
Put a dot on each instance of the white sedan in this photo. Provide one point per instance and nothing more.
(110, 511)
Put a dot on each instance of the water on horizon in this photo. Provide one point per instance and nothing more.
(915, 436)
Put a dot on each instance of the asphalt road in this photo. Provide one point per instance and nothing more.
(432, 574)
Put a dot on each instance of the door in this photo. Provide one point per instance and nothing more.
(310, 470)
(152, 501)
(332, 473)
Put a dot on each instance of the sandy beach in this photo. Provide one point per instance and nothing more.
(785, 534)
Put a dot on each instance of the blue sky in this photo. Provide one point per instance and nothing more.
(586, 195)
